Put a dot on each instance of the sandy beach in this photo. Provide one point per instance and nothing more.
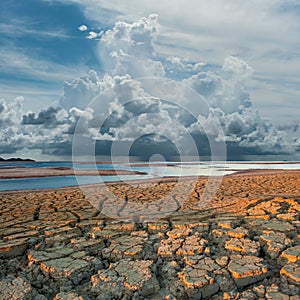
(243, 244)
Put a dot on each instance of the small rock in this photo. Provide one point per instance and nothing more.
(238, 232)
(158, 227)
(199, 279)
(291, 254)
(15, 289)
(125, 247)
(125, 276)
(277, 296)
(273, 243)
(247, 269)
(243, 245)
(67, 296)
(13, 247)
(222, 261)
(64, 267)
(259, 291)
(292, 272)
(177, 233)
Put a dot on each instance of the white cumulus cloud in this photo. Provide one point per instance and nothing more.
(94, 35)
(129, 48)
(82, 27)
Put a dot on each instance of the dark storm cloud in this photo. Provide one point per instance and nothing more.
(46, 117)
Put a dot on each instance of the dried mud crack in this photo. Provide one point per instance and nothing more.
(245, 245)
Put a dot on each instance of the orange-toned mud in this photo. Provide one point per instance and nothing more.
(243, 244)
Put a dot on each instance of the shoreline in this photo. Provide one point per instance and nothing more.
(250, 172)
(19, 173)
(160, 180)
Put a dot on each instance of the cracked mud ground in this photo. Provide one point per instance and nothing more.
(245, 245)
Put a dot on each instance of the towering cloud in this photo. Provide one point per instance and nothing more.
(224, 88)
(130, 48)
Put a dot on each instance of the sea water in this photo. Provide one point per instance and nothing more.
(153, 170)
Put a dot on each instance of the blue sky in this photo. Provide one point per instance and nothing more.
(42, 47)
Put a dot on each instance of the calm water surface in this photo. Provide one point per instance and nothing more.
(153, 171)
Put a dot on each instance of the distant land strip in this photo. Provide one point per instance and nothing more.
(14, 173)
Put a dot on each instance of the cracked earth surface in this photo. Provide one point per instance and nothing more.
(244, 245)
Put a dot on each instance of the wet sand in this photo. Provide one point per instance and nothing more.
(11, 172)
(243, 244)
(262, 172)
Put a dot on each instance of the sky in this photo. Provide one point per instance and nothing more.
(72, 68)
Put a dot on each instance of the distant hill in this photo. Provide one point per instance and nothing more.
(16, 159)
